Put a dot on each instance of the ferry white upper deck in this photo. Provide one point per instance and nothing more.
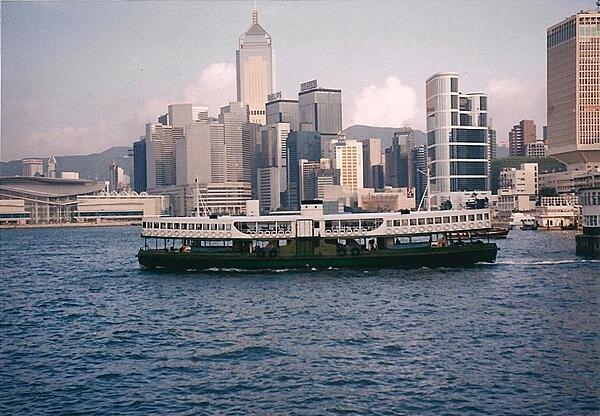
(310, 221)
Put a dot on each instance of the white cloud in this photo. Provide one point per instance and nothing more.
(215, 87)
(392, 105)
(511, 100)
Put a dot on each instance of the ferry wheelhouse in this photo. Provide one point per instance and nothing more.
(311, 239)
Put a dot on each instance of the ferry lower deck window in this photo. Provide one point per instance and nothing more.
(198, 227)
(413, 221)
(438, 220)
(455, 218)
(176, 226)
(463, 218)
(404, 223)
(184, 226)
(169, 226)
(421, 221)
(156, 225)
(471, 217)
(486, 216)
(479, 217)
(389, 223)
(446, 220)
(163, 225)
(429, 220)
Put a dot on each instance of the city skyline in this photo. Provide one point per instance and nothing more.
(80, 99)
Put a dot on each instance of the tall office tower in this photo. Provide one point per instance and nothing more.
(273, 153)
(118, 180)
(218, 164)
(492, 142)
(320, 110)
(520, 136)
(419, 167)
(237, 163)
(51, 170)
(160, 154)
(348, 160)
(268, 189)
(139, 165)
(371, 157)
(33, 167)
(251, 136)
(301, 146)
(398, 159)
(283, 111)
(192, 163)
(181, 115)
(306, 186)
(573, 82)
(457, 139)
(254, 64)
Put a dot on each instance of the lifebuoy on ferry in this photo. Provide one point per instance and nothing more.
(413, 229)
(327, 232)
(220, 235)
(396, 230)
(446, 227)
(421, 229)
(405, 230)
(228, 235)
(388, 231)
(480, 224)
(455, 227)
(213, 234)
(364, 231)
(430, 228)
(471, 225)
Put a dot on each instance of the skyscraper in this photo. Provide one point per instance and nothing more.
(520, 136)
(139, 165)
(371, 157)
(283, 111)
(348, 160)
(160, 154)
(192, 163)
(320, 110)
(254, 64)
(237, 163)
(573, 76)
(457, 139)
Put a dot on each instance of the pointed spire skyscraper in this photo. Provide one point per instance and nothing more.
(254, 62)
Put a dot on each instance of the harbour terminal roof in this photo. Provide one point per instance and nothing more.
(39, 186)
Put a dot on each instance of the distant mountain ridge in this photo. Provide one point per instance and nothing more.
(386, 134)
(95, 166)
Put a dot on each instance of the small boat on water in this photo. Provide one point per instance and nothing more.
(495, 232)
(311, 239)
(529, 224)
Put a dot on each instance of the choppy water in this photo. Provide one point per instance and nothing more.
(85, 331)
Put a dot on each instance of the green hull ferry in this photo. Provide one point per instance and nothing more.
(309, 239)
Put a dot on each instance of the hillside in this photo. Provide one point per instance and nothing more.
(94, 166)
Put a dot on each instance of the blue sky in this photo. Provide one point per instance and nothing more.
(79, 77)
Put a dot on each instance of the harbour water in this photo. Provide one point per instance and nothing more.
(85, 331)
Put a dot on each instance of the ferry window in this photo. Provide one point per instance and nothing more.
(227, 227)
(317, 224)
(396, 223)
(446, 220)
(163, 225)
(213, 227)
(421, 221)
(438, 220)
(479, 217)
(429, 220)
(143, 224)
(221, 227)
(198, 226)
(463, 218)
(471, 217)
(205, 227)
(413, 221)
(389, 223)
(455, 218)
(404, 223)
(486, 216)
(156, 225)
(169, 226)
(176, 225)
(184, 226)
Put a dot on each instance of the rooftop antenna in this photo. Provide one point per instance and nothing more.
(597, 4)
(254, 15)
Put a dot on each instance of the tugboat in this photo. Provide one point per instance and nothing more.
(311, 239)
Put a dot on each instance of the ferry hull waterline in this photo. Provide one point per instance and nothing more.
(310, 239)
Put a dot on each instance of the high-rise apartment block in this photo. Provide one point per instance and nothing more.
(537, 149)
(457, 139)
(348, 160)
(573, 89)
(320, 110)
(520, 136)
(254, 62)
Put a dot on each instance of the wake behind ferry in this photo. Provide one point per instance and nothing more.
(311, 239)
